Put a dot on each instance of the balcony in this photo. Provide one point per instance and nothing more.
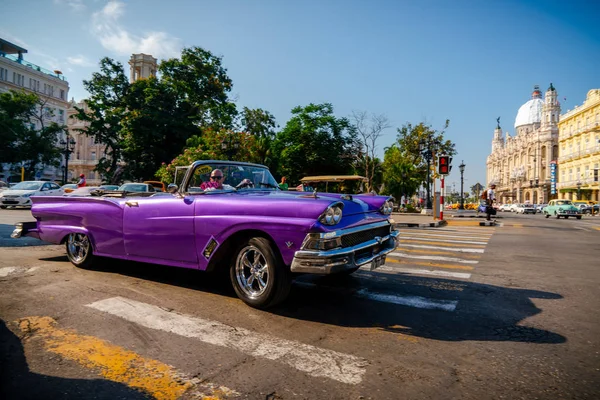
(33, 66)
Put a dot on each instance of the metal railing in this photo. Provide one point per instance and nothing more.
(33, 66)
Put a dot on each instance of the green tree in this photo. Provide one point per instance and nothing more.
(104, 114)
(200, 79)
(476, 189)
(415, 143)
(400, 175)
(155, 129)
(315, 142)
(28, 134)
(209, 147)
(261, 124)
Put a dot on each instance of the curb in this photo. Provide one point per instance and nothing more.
(418, 225)
(470, 216)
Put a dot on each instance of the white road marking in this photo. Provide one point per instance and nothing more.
(437, 258)
(445, 241)
(457, 249)
(7, 271)
(410, 301)
(409, 235)
(385, 268)
(313, 360)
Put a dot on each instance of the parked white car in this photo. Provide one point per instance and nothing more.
(20, 194)
(525, 209)
(504, 207)
(513, 207)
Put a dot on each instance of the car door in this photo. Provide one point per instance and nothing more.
(160, 228)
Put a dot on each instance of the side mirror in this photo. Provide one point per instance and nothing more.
(172, 188)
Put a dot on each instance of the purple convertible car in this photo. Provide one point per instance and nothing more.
(261, 234)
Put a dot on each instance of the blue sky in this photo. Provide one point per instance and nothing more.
(468, 61)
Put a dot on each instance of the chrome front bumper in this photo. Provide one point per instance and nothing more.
(348, 258)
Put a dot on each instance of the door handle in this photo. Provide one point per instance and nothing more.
(132, 203)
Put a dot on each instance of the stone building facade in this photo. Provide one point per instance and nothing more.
(51, 87)
(86, 153)
(523, 165)
(579, 150)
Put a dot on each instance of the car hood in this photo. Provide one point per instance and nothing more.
(296, 204)
(11, 192)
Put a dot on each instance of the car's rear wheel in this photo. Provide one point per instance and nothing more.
(79, 250)
(578, 217)
(258, 274)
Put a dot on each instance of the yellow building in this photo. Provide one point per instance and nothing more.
(579, 150)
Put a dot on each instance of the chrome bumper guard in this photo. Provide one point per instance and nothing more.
(343, 259)
(22, 228)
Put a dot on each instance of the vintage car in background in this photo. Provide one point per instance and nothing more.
(20, 194)
(136, 187)
(562, 208)
(69, 187)
(525, 208)
(260, 234)
(157, 185)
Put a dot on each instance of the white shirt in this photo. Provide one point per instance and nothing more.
(491, 195)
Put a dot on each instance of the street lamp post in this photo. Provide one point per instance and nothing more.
(427, 147)
(578, 189)
(461, 167)
(230, 146)
(69, 145)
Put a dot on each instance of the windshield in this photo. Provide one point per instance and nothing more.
(230, 177)
(564, 202)
(27, 186)
(134, 187)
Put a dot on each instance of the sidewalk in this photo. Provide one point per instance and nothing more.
(414, 220)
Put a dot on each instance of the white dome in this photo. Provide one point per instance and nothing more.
(530, 112)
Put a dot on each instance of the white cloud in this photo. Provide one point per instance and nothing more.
(76, 5)
(80, 60)
(113, 37)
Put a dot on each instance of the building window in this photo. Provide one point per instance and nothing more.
(93, 155)
(62, 94)
(3, 74)
(92, 175)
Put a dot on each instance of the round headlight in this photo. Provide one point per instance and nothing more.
(331, 216)
(387, 207)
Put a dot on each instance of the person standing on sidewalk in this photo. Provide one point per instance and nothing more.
(491, 199)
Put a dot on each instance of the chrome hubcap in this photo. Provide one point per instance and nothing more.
(78, 246)
(252, 271)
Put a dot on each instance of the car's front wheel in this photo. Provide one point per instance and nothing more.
(258, 274)
(3, 207)
(79, 250)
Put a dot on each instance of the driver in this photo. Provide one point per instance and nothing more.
(216, 182)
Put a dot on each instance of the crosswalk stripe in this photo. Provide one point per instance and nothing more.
(411, 271)
(312, 360)
(161, 381)
(428, 264)
(410, 301)
(450, 252)
(446, 241)
(411, 235)
(456, 249)
(435, 258)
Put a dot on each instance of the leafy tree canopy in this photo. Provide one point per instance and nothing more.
(27, 131)
(209, 146)
(315, 142)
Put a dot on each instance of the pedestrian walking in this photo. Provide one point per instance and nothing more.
(491, 199)
(81, 182)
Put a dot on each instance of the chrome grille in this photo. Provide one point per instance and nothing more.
(352, 239)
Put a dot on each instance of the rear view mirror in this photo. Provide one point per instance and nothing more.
(172, 188)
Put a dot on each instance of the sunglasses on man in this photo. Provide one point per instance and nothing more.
(216, 177)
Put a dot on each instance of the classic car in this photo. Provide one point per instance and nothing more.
(259, 233)
(562, 208)
(21, 194)
(525, 208)
(136, 187)
(157, 185)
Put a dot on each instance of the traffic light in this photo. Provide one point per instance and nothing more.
(444, 166)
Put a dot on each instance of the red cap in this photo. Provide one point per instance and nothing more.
(82, 176)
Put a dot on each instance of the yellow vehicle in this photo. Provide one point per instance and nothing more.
(343, 182)
(158, 186)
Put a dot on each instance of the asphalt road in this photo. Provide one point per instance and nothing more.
(461, 311)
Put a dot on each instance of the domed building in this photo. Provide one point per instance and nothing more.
(521, 165)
